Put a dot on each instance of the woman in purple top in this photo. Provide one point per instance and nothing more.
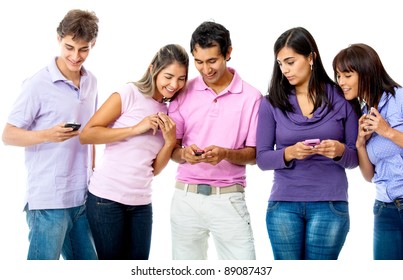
(307, 215)
(360, 73)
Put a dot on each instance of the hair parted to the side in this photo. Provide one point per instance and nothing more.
(302, 42)
(210, 34)
(166, 56)
(80, 24)
(373, 80)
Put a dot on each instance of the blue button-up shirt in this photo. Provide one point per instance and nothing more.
(386, 155)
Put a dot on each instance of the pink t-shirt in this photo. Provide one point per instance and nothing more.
(227, 120)
(125, 173)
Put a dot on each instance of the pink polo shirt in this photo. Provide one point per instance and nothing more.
(227, 120)
(125, 172)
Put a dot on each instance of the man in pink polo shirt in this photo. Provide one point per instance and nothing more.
(216, 121)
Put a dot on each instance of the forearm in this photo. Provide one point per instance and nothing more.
(162, 158)
(271, 159)
(105, 135)
(243, 156)
(348, 159)
(23, 138)
(177, 154)
(366, 167)
(395, 136)
(288, 154)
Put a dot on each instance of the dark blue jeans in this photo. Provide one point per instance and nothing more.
(121, 232)
(307, 230)
(388, 230)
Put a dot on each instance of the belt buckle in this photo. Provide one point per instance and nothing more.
(204, 189)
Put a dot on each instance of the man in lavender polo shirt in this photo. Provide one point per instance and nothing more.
(57, 164)
(216, 116)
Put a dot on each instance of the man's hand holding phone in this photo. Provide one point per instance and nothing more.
(198, 152)
(72, 129)
(73, 125)
(193, 154)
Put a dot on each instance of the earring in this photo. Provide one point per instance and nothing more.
(311, 66)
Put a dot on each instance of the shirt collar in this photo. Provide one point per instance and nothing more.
(234, 87)
(55, 73)
(384, 99)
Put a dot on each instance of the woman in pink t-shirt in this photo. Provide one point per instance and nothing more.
(139, 138)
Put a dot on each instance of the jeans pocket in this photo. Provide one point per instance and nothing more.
(94, 201)
(272, 205)
(377, 209)
(339, 208)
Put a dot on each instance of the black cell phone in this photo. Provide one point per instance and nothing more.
(199, 152)
(74, 125)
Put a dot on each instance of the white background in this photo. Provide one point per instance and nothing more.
(130, 34)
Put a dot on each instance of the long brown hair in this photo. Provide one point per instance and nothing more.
(373, 80)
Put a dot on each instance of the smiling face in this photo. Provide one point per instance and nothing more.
(348, 81)
(295, 67)
(73, 54)
(211, 64)
(170, 80)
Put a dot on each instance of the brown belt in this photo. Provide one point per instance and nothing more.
(206, 189)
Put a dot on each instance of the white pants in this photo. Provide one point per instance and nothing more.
(194, 216)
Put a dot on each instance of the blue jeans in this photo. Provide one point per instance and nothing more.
(60, 232)
(121, 232)
(388, 230)
(307, 230)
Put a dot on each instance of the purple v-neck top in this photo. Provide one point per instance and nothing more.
(316, 178)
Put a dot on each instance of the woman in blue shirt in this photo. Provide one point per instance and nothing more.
(359, 71)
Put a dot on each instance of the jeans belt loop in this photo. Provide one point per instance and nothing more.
(186, 188)
(397, 202)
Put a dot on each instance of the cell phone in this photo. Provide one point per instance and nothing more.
(369, 113)
(312, 142)
(74, 125)
(199, 152)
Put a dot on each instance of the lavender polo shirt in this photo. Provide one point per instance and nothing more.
(57, 172)
(386, 155)
(227, 119)
(125, 172)
(315, 178)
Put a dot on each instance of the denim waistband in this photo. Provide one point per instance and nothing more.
(397, 203)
